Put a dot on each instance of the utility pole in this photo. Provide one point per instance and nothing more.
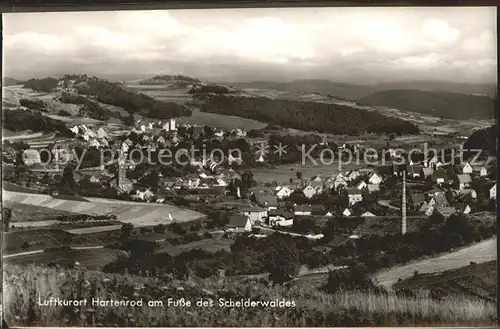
(403, 206)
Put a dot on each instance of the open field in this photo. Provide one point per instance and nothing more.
(136, 213)
(477, 280)
(219, 121)
(93, 259)
(31, 213)
(483, 251)
(313, 307)
(42, 238)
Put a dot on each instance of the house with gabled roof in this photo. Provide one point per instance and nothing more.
(238, 223)
(440, 177)
(467, 168)
(372, 188)
(463, 181)
(309, 191)
(368, 214)
(439, 200)
(426, 172)
(446, 211)
(375, 179)
(270, 202)
(463, 208)
(354, 195)
(283, 192)
(346, 212)
(417, 200)
(303, 210)
(493, 192)
(480, 171)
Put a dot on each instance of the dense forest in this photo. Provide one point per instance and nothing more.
(309, 116)
(113, 94)
(45, 85)
(18, 120)
(439, 104)
(33, 104)
(484, 139)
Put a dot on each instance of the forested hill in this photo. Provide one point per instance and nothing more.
(165, 79)
(484, 139)
(308, 116)
(111, 93)
(440, 104)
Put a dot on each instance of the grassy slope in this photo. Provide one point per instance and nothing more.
(444, 104)
(477, 280)
(23, 284)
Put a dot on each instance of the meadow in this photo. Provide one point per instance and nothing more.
(24, 285)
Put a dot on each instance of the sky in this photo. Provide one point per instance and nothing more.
(354, 45)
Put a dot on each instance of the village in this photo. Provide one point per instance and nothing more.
(224, 183)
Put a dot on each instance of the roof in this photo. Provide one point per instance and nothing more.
(237, 221)
(281, 212)
(269, 200)
(446, 211)
(441, 200)
(303, 207)
(427, 171)
(441, 174)
(464, 178)
(417, 198)
(353, 191)
(252, 209)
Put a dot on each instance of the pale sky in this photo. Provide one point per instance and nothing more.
(339, 44)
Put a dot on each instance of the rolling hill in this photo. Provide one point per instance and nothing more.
(355, 92)
(335, 89)
(9, 82)
(484, 139)
(440, 104)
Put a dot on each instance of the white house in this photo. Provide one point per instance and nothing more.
(480, 171)
(303, 210)
(375, 179)
(101, 133)
(368, 214)
(472, 192)
(255, 214)
(346, 212)
(493, 192)
(352, 175)
(75, 130)
(239, 223)
(354, 195)
(373, 188)
(467, 168)
(94, 143)
(309, 191)
(338, 183)
(283, 192)
(221, 182)
(361, 185)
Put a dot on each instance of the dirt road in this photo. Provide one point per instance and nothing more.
(481, 252)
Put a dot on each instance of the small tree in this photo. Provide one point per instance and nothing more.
(6, 217)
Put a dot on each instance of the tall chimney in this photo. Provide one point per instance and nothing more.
(403, 206)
